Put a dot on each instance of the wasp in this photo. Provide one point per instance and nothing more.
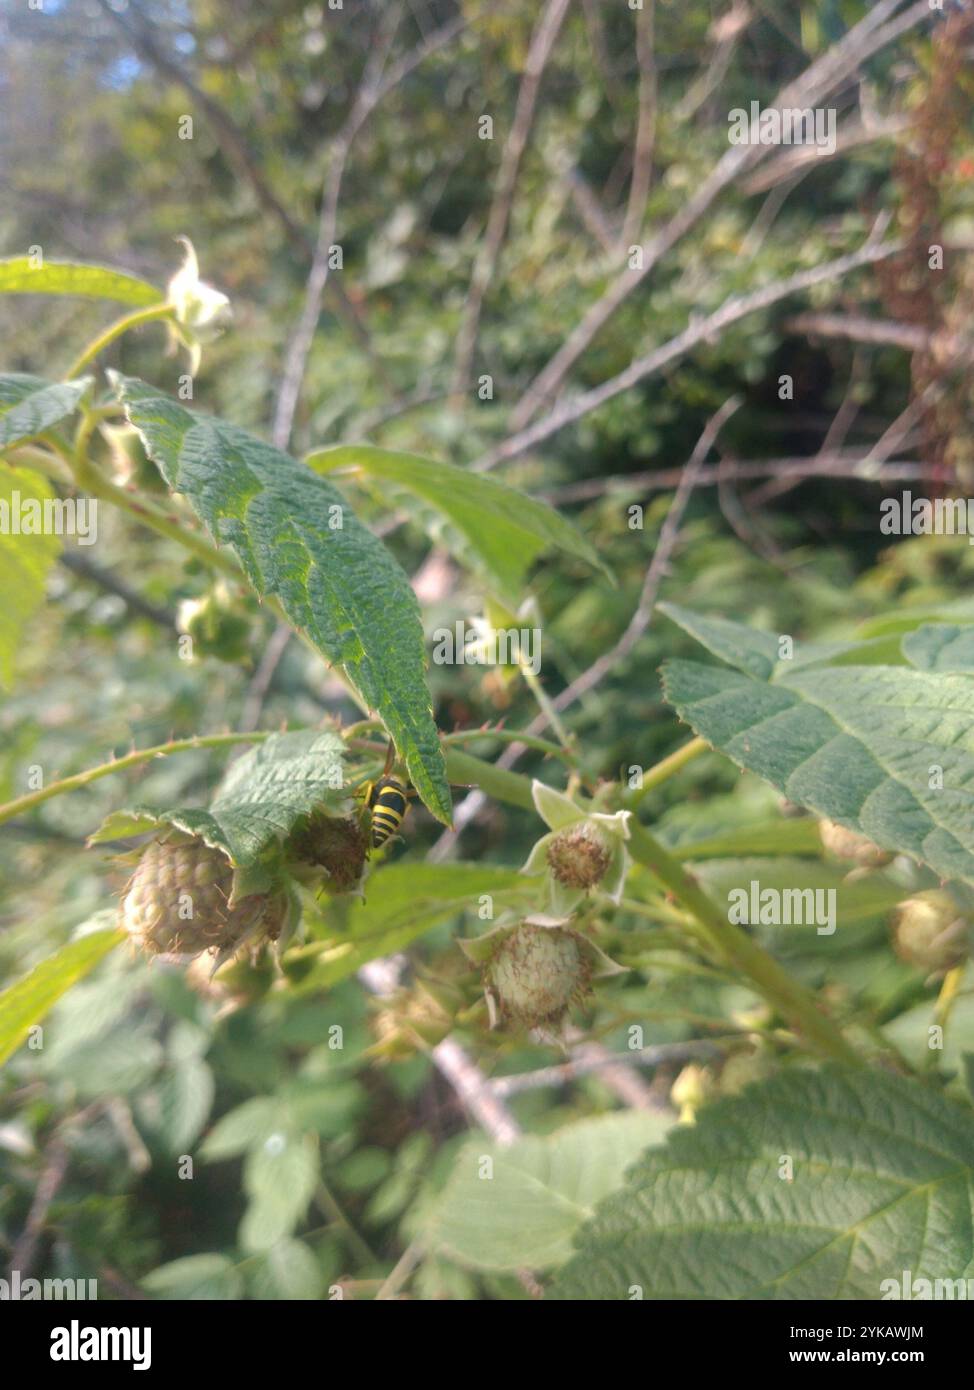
(387, 799)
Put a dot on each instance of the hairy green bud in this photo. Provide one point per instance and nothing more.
(178, 902)
(536, 973)
(930, 931)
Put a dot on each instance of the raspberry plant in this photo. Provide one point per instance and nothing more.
(757, 888)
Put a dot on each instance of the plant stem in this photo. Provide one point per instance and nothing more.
(945, 1002)
(40, 460)
(790, 998)
(545, 705)
(115, 330)
(665, 768)
(90, 480)
(142, 755)
(542, 745)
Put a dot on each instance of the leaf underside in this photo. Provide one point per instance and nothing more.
(29, 404)
(540, 1191)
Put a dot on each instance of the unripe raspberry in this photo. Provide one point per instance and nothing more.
(536, 973)
(931, 932)
(848, 844)
(579, 857)
(335, 844)
(216, 625)
(177, 901)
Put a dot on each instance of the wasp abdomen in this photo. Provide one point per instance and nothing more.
(388, 804)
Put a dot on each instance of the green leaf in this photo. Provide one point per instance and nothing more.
(28, 1000)
(195, 1277)
(757, 653)
(855, 744)
(881, 1181)
(241, 1128)
(940, 647)
(24, 562)
(264, 794)
(279, 1177)
(287, 1270)
(506, 529)
(542, 1189)
(404, 901)
(29, 405)
(299, 541)
(19, 276)
(186, 1094)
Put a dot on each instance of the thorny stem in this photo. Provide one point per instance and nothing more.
(134, 759)
(115, 330)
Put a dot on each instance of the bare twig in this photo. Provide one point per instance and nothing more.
(835, 436)
(859, 329)
(299, 345)
(263, 677)
(699, 331)
(54, 1172)
(585, 1065)
(589, 209)
(842, 463)
(375, 86)
(821, 77)
(802, 158)
(113, 583)
(726, 32)
(642, 161)
(542, 42)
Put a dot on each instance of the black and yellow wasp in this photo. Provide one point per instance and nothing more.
(387, 801)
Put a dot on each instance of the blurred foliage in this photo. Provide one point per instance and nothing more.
(320, 1133)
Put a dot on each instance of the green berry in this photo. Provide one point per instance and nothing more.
(579, 857)
(536, 973)
(930, 932)
(177, 901)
